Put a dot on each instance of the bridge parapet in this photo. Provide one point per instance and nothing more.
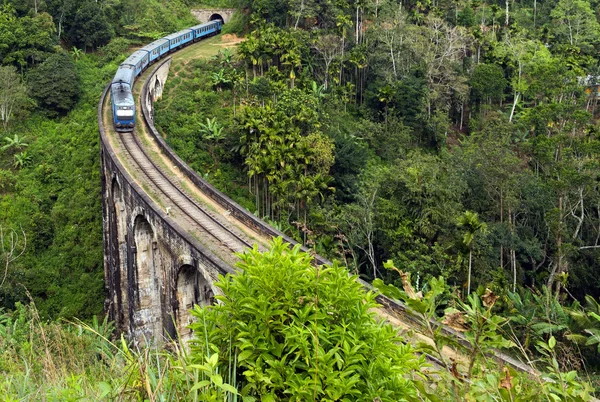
(155, 86)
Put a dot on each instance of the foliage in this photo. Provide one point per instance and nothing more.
(55, 84)
(300, 332)
(25, 40)
(76, 360)
(476, 330)
(90, 27)
(13, 95)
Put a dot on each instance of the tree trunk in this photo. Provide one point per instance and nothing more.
(514, 106)
(393, 58)
(513, 256)
(501, 222)
(561, 265)
(469, 276)
(299, 13)
(357, 8)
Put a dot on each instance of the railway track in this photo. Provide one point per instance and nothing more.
(181, 206)
(177, 198)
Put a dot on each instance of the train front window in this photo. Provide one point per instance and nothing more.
(125, 112)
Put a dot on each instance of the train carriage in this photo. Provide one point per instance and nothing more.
(139, 60)
(206, 29)
(123, 104)
(156, 49)
(180, 38)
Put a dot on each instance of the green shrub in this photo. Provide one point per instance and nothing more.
(298, 332)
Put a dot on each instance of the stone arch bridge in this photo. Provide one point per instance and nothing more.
(155, 268)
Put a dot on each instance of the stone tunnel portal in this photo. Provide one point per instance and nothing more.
(216, 17)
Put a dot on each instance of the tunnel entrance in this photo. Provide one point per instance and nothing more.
(216, 17)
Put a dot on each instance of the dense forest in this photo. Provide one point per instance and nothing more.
(463, 132)
(445, 150)
(50, 197)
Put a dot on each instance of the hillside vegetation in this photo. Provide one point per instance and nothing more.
(438, 139)
(445, 150)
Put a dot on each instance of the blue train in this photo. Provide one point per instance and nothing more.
(123, 104)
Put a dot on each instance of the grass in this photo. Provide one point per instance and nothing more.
(75, 361)
(204, 49)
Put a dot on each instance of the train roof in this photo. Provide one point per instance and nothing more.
(124, 74)
(157, 43)
(121, 94)
(177, 34)
(202, 25)
(135, 57)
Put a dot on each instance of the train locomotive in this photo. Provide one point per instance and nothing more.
(123, 104)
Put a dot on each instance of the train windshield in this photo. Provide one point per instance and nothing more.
(125, 112)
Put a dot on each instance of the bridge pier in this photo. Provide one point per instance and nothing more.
(154, 275)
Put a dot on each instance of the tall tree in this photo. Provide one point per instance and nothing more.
(55, 84)
(13, 95)
(25, 41)
(575, 21)
(473, 226)
(90, 27)
(329, 47)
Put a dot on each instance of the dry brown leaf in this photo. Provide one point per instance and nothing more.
(489, 298)
(454, 370)
(455, 320)
(506, 382)
(410, 291)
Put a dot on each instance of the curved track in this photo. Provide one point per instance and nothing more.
(177, 197)
(182, 205)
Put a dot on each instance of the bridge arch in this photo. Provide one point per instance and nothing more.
(147, 294)
(192, 288)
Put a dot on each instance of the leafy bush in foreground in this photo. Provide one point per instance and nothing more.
(298, 332)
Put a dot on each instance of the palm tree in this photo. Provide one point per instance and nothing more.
(76, 53)
(292, 58)
(212, 130)
(473, 226)
(226, 57)
(318, 91)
